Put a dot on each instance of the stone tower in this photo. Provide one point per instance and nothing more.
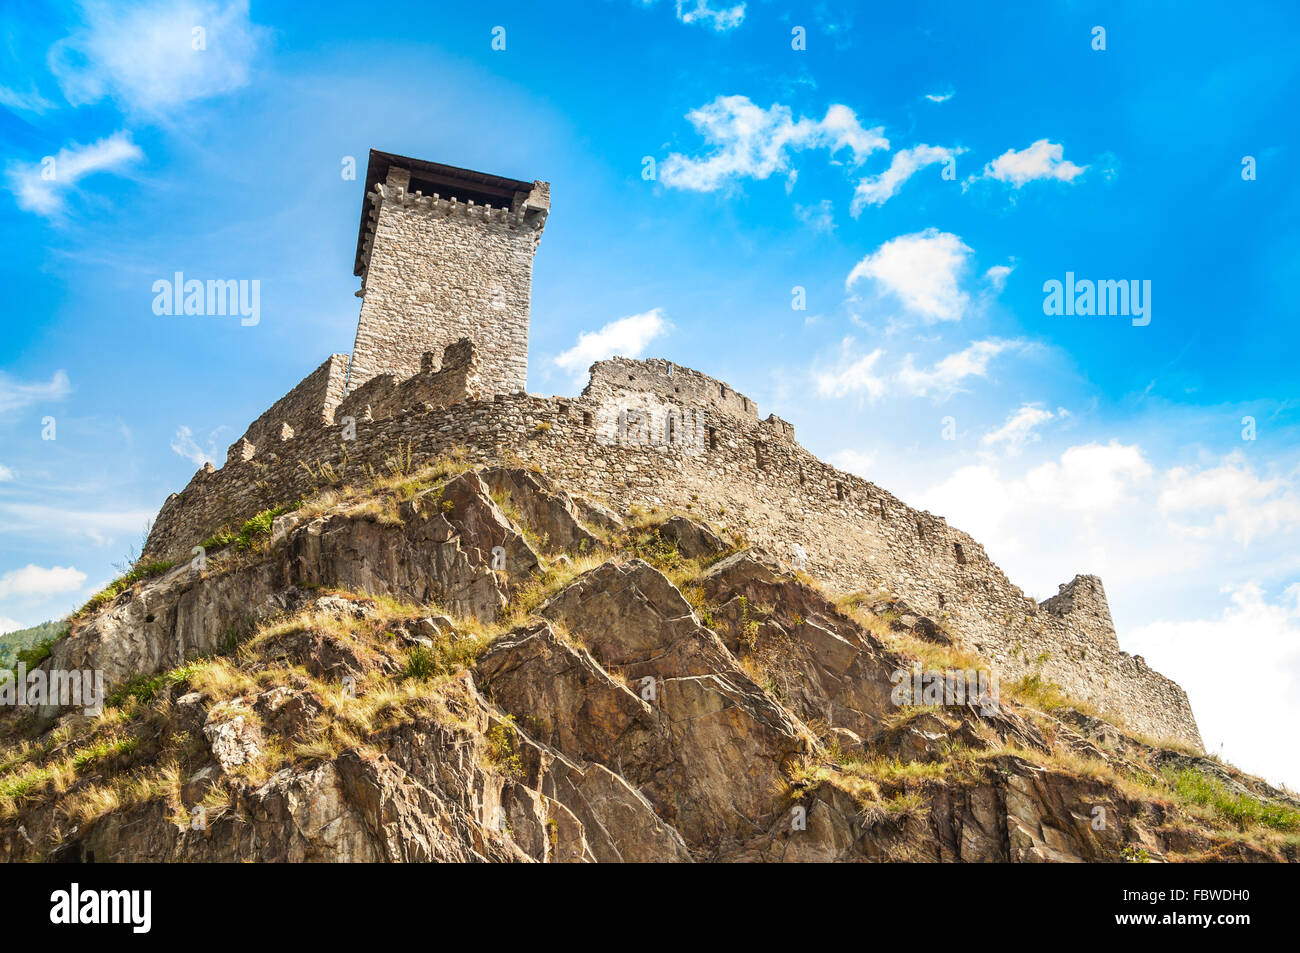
(445, 253)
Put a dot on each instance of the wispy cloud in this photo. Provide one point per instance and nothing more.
(99, 526)
(1019, 429)
(5, 473)
(721, 18)
(30, 101)
(156, 55)
(41, 187)
(15, 395)
(997, 276)
(627, 336)
(879, 189)
(1041, 160)
(946, 376)
(750, 142)
(922, 270)
(855, 376)
(939, 97)
(819, 217)
(185, 445)
(865, 375)
(854, 461)
(1230, 498)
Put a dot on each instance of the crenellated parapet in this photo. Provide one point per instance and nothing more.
(528, 215)
(445, 253)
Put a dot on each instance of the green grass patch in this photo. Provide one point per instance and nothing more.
(104, 749)
(18, 786)
(139, 571)
(145, 688)
(1240, 809)
(254, 528)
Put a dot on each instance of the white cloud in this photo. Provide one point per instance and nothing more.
(878, 189)
(863, 375)
(6, 474)
(751, 142)
(1086, 510)
(1090, 478)
(34, 580)
(939, 97)
(1019, 428)
(1119, 516)
(143, 55)
(923, 270)
(855, 376)
(9, 625)
(1243, 714)
(185, 445)
(40, 187)
(99, 526)
(854, 461)
(30, 101)
(946, 376)
(628, 337)
(15, 395)
(997, 276)
(720, 19)
(819, 217)
(1093, 508)
(1041, 160)
(1232, 498)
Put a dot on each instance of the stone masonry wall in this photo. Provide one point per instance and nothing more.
(688, 387)
(310, 404)
(749, 474)
(439, 384)
(1083, 600)
(439, 270)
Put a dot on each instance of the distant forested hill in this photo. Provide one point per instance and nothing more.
(14, 642)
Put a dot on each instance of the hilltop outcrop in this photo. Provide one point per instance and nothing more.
(477, 664)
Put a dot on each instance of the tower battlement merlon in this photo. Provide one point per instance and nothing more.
(445, 254)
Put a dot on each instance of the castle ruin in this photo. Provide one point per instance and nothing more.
(440, 362)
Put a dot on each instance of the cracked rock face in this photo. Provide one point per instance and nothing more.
(737, 714)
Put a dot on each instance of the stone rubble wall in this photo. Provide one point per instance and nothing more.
(618, 375)
(439, 270)
(310, 404)
(750, 476)
(455, 379)
(1083, 600)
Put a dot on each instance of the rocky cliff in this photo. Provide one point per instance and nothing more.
(453, 663)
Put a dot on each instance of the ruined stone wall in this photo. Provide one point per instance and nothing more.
(454, 379)
(439, 270)
(1082, 603)
(689, 388)
(310, 404)
(750, 475)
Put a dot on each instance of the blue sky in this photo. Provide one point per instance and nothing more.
(919, 173)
